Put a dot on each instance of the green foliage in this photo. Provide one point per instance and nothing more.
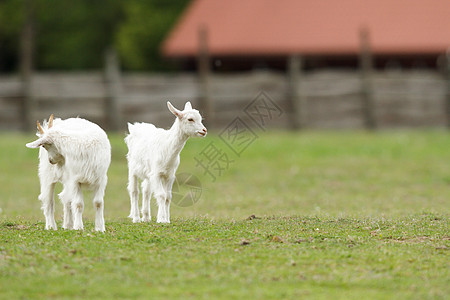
(75, 34)
(342, 215)
(11, 19)
(146, 25)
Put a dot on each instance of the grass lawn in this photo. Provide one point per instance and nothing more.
(323, 215)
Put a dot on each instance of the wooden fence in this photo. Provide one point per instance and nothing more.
(328, 99)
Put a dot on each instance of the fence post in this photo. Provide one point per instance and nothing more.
(294, 97)
(26, 66)
(366, 65)
(204, 74)
(447, 79)
(113, 82)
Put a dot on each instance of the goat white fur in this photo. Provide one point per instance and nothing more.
(76, 153)
(154, 156)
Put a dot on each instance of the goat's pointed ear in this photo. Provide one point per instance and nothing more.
(175, 111)
(37, 143)
(188, 106)
(50, 122)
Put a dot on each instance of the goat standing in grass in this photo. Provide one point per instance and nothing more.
(154, 156)
(77, 153)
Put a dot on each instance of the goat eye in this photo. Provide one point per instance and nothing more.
(191, 120)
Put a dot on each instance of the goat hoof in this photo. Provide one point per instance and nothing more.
(163, 221)
(50, 227)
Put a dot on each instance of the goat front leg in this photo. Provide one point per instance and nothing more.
(99, 194)
(161, 196)
(48, 204)
(146, 196)
(133, 190)
(168, 187)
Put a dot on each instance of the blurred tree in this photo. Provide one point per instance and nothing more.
(75, 34)
(146, 24)
(11, 20)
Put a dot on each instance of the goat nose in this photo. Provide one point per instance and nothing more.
(204, 130)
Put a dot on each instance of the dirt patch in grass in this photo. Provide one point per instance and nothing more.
(416, 240)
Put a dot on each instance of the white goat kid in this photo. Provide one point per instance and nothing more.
(76, 153)
(154, 156)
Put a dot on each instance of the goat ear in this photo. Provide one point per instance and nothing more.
(188, 106)
(175, 111)
(50, 122)
(37, 143)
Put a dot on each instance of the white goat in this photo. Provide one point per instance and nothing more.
(76, 153)
(154, 156)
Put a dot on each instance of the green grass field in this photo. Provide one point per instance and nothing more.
(338, 215)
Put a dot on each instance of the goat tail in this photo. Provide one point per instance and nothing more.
(137, 130)
(131, 129)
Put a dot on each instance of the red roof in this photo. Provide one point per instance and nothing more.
(282, 27)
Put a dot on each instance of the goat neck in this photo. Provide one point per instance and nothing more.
(177, 137)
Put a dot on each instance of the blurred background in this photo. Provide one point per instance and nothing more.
(349, 64)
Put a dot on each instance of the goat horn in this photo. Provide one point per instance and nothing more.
(40, 128)
(50, 122)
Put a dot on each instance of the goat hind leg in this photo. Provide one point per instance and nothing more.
(72, 197)
(48, 205)
(67, 205)
(77, 207)
(146, 196)
(99, 194)
(133, 190)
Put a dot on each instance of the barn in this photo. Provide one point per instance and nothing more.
(242, 35)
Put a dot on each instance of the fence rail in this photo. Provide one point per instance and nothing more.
(330, 99)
